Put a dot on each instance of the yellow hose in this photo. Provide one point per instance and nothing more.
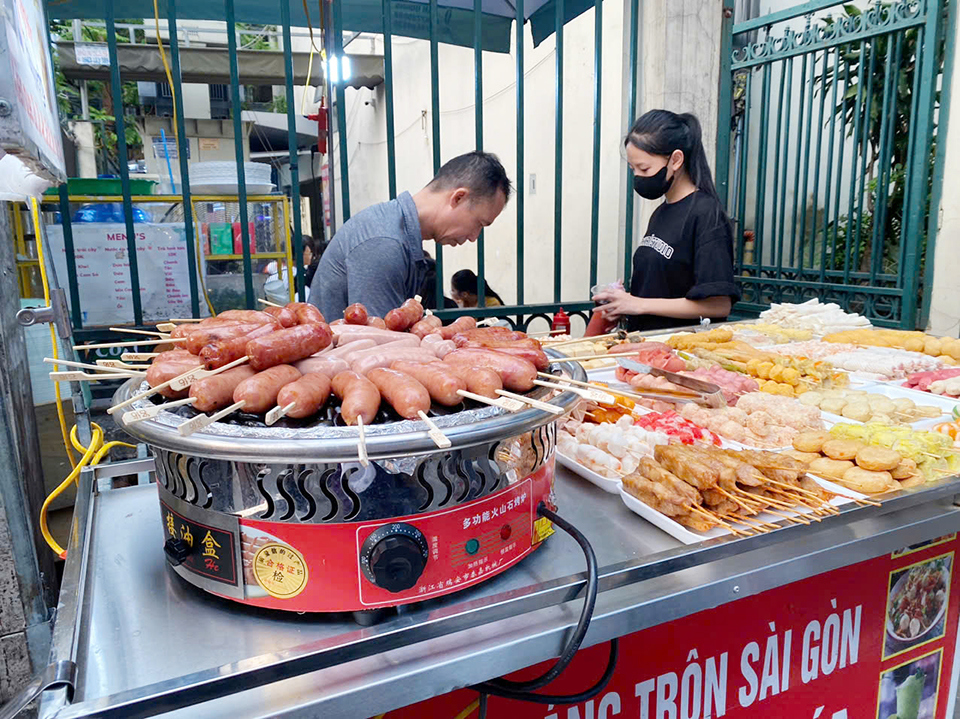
(97, 449)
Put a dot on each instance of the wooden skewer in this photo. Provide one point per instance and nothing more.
(591, 394)
(362, 443)
(166, 327)
(179, 382)
(438, 437)
(546, 334)
(584, 358)
(268, 303)
(187, 319)
(753, 524)
(139, 356)
(711, 516)
(796, 502)
(84, 377)
(796, 518)
(117, 364)
(765, 525)
(617, 392)
(503, 403)
(107, 345)
(82, 365)
(138, 415)
(148, 333)
(865, 502)
(535, 403)
(203, 420)
(775, 502)
(277, 412)
(733, 498)
(583, 339)
(418, 298)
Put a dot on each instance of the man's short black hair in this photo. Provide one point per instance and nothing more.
(479, 172)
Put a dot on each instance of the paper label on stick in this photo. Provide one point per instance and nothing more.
(187, 380)
(68, 376)
(138, 415)
(274, 414)
(137, 356)
(192, 425)
(439, 439)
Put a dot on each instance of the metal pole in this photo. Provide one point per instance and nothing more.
(597, 85)
(122, 159)
(478, 135)
(183, 151)
(521, 178)
(238, 141)
(435, 117)
(388, 96)
(341, 110)
(84, 95)
(292, 147)
(558, 159)
(632, 110)
(725, 101)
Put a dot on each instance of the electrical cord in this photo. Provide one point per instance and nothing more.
(524, 690)
(92, 454)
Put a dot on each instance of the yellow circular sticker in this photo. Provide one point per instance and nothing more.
(280, 570)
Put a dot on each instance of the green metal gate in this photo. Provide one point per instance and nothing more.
(828, 157)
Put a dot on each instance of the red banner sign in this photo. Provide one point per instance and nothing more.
(874, 640)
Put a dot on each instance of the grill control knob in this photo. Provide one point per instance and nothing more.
(176, 550)
(394, 556)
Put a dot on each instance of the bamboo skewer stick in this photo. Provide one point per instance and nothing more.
(595, 357)
(77, 376)
(535, 403)
(188, 319)
(118, 364)
(138, 415)
(108, 345)
(438, 437)
(584, 339)
(594, 395)
(618, 392)
(732, 498)
(362, 444)
(148, 333)
(277, 412)
(268, 303)
(179, 382)
(139, 356)
(84, 365)
(544, 334)
(203, 420)
(712, 517)
(166, 327)
(503, 403)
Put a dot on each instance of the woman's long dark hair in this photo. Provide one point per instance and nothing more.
(660, 132)
(466, 281)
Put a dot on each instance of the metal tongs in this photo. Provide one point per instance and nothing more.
(704, 393)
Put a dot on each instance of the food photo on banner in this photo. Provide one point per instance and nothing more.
(910, 690)
(917, 605)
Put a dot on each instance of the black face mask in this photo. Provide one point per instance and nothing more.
(654, 186)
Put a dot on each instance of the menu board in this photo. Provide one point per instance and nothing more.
(103, 270)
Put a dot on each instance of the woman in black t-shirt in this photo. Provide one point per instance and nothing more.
(683, 266)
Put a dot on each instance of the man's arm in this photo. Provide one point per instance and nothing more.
(376, 275)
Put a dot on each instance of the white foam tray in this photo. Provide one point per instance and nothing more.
(894, 391)
(607, 484)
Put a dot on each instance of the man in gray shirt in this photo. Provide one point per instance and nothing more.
(377, 255)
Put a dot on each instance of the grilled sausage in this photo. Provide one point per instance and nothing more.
(306, 313)
(359, 397)
(536, 357)
(347, 348)
(488, 334)
(441, 383)
(461, 324)
(247, 316)
(404, 393)
(330, 366)
(405, 316)
(216, 392)
(516, 373)
(384, 356)
(259, 392)
(286, 316)
(377, 322)
(196, 341)
(355, 314)
(230, 350)
(169, 365)
(307, 394)
(287, 345)
(480, 380)
(185, 330)
(426, 326)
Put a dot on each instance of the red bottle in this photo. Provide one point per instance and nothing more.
(561, 321)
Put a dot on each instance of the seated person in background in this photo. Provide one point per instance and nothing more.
(377, 256)
(312, 252)
(464, 286)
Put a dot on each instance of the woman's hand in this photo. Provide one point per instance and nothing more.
(618, 304)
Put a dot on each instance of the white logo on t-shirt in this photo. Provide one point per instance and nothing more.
(657, 244)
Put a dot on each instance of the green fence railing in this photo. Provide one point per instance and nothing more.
(826, 150)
